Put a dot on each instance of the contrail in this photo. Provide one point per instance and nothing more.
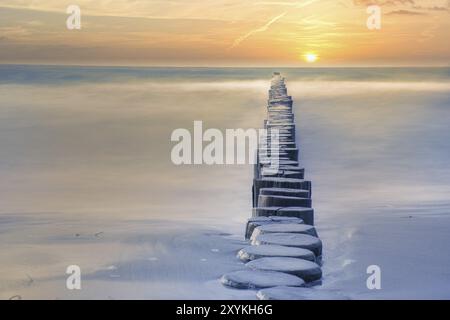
(260, 29)
(268, 24)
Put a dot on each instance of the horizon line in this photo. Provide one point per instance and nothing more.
(220, 66)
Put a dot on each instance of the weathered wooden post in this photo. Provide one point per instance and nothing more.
(285, 247)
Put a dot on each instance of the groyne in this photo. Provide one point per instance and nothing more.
(284, 254)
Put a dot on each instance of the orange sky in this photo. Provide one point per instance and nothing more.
(225, 32)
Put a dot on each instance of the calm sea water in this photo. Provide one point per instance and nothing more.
(30, 74)
(85, 152)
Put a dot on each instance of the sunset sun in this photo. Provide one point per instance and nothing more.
(310, 57)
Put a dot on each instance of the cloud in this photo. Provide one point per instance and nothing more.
(436, 8)
(14, 32)
(405, 13)
(277, 3)
(431, 4)
(266, 26)
(260, 29)
(382, 2)
(442, 5)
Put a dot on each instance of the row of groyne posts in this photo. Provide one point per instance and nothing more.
(284, 256)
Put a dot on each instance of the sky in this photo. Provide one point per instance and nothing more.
(226, 33)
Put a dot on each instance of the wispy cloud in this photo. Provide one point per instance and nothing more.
(277, 3)
(266, 26)
(415, 4)
(260, 29)
(405, 13)
(383, 2)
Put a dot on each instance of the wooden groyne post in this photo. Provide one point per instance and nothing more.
(285, 254)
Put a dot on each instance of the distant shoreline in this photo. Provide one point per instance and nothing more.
(226, 67)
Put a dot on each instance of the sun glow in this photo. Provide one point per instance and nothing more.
(310, 57)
